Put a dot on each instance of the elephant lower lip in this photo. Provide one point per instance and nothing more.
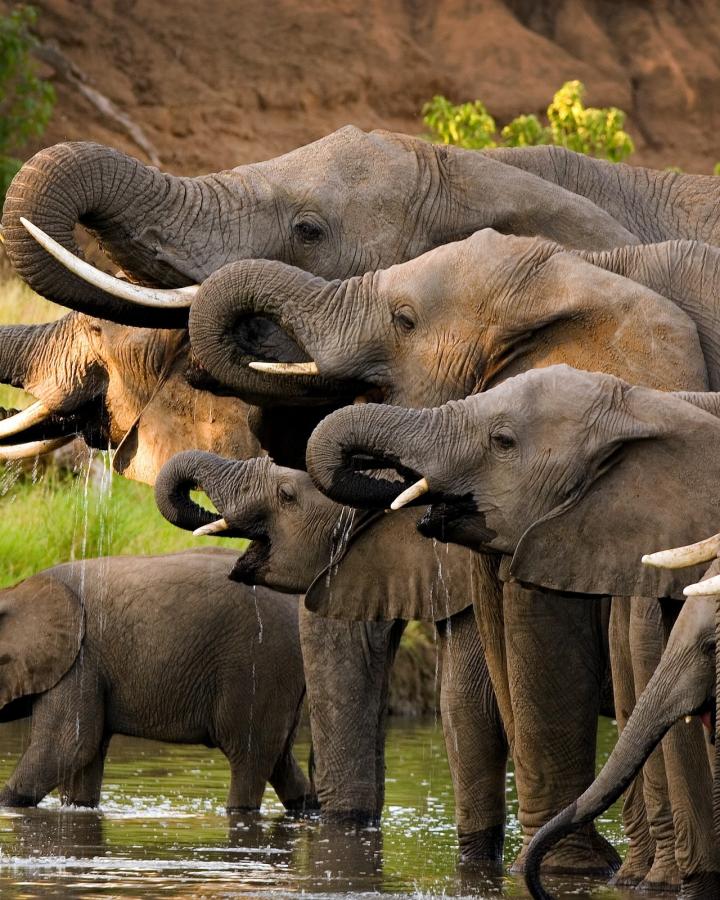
(248, 568)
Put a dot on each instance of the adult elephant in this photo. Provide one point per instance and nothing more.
(118, 387)
(561, 471)
(157, 647)
(460, 319)
(299, 536)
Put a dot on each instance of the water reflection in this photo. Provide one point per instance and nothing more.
(163, 832)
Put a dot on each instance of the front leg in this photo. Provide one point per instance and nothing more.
(83, 787)
(347, 667)
(475, 740)
(555, 654)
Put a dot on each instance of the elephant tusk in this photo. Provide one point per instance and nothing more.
(176, 298)
(680, 557)
(412, 493)
(35, 413)
(708, 588)
(33, 448)
(216, 527)
(281, 368)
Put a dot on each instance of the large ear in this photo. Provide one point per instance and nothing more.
(389, 571)
(41, 629)
(661, 491)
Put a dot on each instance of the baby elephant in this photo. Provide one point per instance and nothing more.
(162, 647)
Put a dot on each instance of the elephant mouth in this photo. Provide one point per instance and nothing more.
(52, 431)
(457, 520)
(249, 567)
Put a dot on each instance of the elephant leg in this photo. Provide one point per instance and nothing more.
(474, 738)
(641, 844)
(83, 787)
(247, 784)
(347, 666)
(65, 736)
(647, 640)
(555, 656)
(690, 788)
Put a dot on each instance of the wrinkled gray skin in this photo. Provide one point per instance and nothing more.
(123, 388)
(456, 321)
(573, 475)
(160, 647)
(299, 536)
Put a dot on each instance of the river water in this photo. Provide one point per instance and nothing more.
(163, 832)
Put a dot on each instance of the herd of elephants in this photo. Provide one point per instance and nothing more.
(474, 388)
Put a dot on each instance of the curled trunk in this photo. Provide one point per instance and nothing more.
(136, 212)
(188, 471)
(369, 437)
(244, 313)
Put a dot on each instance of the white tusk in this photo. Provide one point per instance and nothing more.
(688, 719)
(412, 493)
(281, 368)
(33, 448)
(709, 587)
(215, 527)
(176, 298)
(680, 557)
(35, 413)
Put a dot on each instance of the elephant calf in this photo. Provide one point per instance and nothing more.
(162, 647)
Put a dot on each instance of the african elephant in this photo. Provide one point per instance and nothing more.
(299, 537)
(458, 320)
(118, 387)
(124, 387)
(160, 647)
(571, 475)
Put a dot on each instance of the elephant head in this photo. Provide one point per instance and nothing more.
(682, 685)
(119, 387)
(349, 203)
(572, 474)
(461, 318)
(42, 630)
(302, 541)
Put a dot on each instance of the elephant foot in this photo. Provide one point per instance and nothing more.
(482, 847)
(359, 818)
(633, 871)
(704, 886)
(664, 875)
(9, 797)
(299, 805)
(584, 852)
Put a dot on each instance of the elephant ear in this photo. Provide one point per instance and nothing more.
(41, 629)
(389, 571)
(660, 492)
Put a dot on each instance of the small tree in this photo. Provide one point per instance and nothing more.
(26, 101)
(598, 132)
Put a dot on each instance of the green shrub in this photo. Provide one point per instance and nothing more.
(26, 101)
(598, 132)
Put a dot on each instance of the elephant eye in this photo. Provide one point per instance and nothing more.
(503, 441)
(308, 231)
(404, 320)
(286, 493)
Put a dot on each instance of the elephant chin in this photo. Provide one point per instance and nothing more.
(249, 567)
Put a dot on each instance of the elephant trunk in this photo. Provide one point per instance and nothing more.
(23, 348)
(187, 471)
(135, 211)
(664, 701)
(252, 311)
(366, 437)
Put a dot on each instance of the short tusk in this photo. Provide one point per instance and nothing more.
(216, 527)
(35, 413)
(281, 368)
(175, 298)
(709, 587)
(33, 448)
(412, 493)
(680, 557)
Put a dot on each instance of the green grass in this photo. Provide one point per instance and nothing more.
(49, 516)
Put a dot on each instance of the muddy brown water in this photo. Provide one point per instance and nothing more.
(162, 832)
